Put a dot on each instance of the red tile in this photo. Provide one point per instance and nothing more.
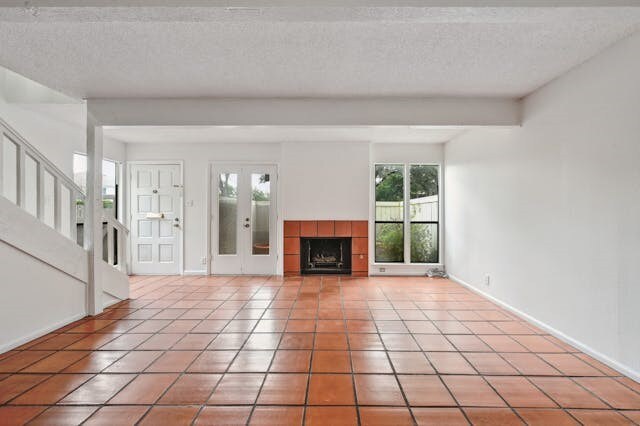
(55, 362)
(331, 362)
(570, 365)
(385, 416)
(410, 363)
(292, 263)
(308, 228)
(223, 416)
(144, 389)
(326, 228)
(450, 363)
(170, 416)
(600, 417)
(359, 228)
(530, 364)
(567, 393)
(18, 415)
(237, 389)
(276, 416)
(133, 362)
(291, 361)
(425, 391)
(291, 245)
(291, 228)
(98, 390)
(492, 416)
(380, 389)
(52, 390)
(191, 389)
(18, 383)
(519, 392)
(370, 362)
(472, 391)
(542, 417)
(117, 415)
(359, 262)
(439, 416)
(359, 245)
(342, 228)
(331, 389)
(331, 341)
(612, 392)
(283, 389)
(212, 362)
(338, 416)
(489, 363)
(60, 415)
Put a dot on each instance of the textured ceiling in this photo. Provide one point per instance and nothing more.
(253, 134)
(304, 52)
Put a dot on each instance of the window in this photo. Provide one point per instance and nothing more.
(393, 193)
(110, 181)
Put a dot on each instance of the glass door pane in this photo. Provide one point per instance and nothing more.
(228, 213)
(260, 206)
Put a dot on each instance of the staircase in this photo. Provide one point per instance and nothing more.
(44, 266)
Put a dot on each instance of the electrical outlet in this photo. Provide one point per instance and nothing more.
(383, 269)
(487, 280)
(203, 260)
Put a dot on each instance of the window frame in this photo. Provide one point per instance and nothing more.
(407, 213)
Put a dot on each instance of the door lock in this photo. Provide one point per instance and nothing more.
(246, 225)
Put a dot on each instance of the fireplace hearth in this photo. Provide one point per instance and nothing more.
(325, 255)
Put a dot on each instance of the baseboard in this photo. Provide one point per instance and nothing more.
(22, 340)
(194, 272)
(624, 369)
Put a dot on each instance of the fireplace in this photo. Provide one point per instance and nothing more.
(325, 255)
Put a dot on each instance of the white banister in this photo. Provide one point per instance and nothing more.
(44, 171)
(116, 243)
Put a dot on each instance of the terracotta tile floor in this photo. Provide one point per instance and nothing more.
(318, 351)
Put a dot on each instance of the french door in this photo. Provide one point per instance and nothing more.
(244, 221)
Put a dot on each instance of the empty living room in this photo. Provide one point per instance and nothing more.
(319, 212)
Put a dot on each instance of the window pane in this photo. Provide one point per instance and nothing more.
(9, 170)
(424, 243)
(389, 242)
(389, 182)
(31, 185)
(80, 171)
(109, 187)
(260, 203)
(227, 213)
(423, 191)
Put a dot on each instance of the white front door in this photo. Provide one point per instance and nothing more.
(244, 221)
(156, 220)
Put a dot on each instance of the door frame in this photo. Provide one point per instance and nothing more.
(128, 177)
(210, 210)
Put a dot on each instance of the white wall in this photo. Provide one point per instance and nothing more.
(325, 181)
(319, 180)
(551, 210)
(36, 298)
(196, 159)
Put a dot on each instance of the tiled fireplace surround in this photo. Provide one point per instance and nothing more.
(358, 230)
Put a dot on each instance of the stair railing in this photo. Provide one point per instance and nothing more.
(31, 181)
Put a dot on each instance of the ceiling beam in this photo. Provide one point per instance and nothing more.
(303, 112)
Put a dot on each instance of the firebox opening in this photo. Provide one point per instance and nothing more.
(322, 255)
